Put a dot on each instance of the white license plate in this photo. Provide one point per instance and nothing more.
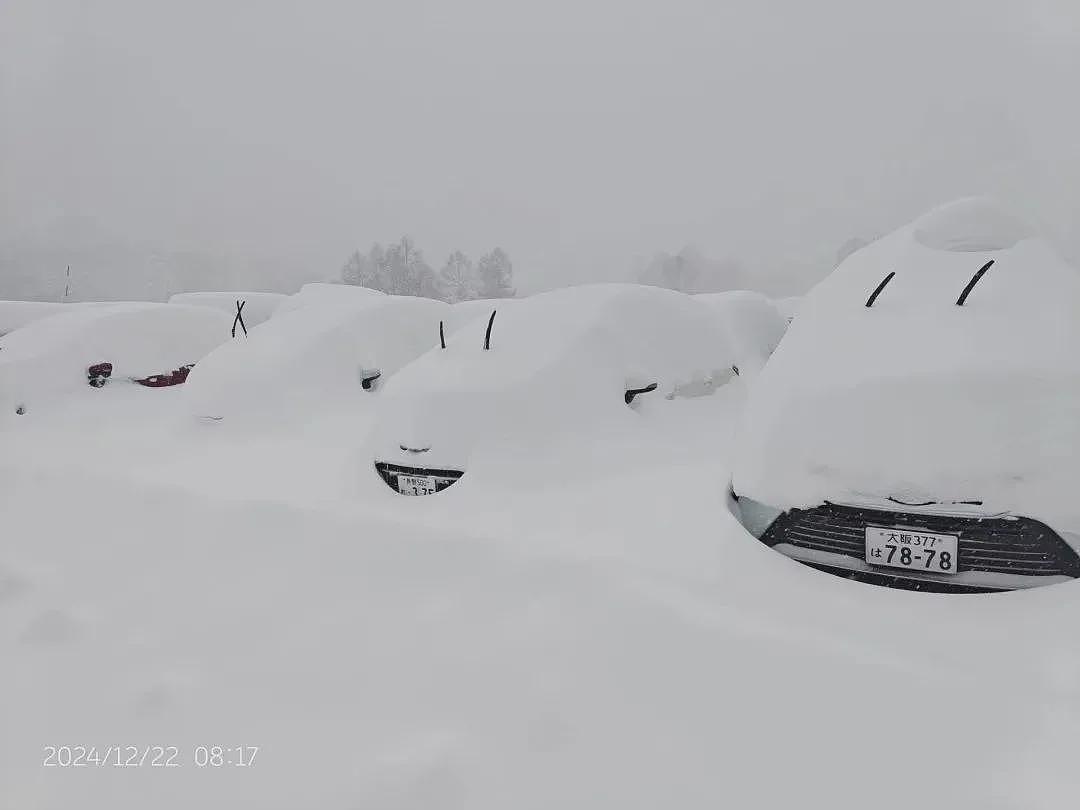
(416, 484)
(912, 550)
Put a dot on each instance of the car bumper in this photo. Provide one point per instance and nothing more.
(853, 568)
(996, 552)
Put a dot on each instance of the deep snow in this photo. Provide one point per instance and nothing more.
(593, 634)
(604, 635)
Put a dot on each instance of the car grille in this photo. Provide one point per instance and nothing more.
(390, 472)
(1009, 545)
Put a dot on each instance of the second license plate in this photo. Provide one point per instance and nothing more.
(416, 484)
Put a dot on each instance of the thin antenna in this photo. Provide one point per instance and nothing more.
(239, 319)
(971, 284)
(487, 335)
(873, 296)
(442, 336)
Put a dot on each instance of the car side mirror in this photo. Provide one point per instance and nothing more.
(628, 397)
(369, 378)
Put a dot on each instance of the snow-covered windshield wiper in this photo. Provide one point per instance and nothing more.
(971, 284)
(877, 291)
(935, 503)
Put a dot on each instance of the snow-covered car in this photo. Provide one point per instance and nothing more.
(299, 362)
(578, 359)
(753, 323)
(153, 345)
(919, 425)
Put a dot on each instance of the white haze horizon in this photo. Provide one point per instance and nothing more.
(581, 137)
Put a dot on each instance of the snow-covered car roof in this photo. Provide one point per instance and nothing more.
(305, 359)
(258, 306)
(917, 397)
(322, 294)
(753, 323)
(49, 358)
(17, 314)
(557, 361)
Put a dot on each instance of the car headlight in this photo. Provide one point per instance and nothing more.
(755, 516)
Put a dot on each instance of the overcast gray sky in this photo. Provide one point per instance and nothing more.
(577, 134)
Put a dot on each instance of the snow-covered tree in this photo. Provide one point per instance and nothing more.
(458, 279)
(496, 275)
(364, 270)
(352, 269)
(406, 271)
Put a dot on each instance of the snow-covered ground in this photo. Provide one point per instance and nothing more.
(594, 634)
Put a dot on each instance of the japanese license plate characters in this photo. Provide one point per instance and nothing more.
(912, 549)
(415, 484)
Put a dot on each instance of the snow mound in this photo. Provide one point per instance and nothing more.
(49, 358)
(753, 323)
(16, 314)
(258, 306)
(320, 294)
(559, 363)
(300, 362)
(972, 224)
(916, 397)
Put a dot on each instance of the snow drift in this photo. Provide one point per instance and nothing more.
(917, 397)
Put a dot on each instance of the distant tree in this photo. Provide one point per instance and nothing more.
(406, 271)
(496, 275)
(352, 269)
(378, 269)
(458, 279)
(690, 272)
(678, 274)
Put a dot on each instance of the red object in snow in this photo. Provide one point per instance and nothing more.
(98, 374)
(177, 377)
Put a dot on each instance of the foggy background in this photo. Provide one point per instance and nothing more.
(163, 146)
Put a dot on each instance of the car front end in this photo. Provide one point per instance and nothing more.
(936, 547)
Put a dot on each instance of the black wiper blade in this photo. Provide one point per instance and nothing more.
(935, 503)
(971, 284)
(873, 296)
